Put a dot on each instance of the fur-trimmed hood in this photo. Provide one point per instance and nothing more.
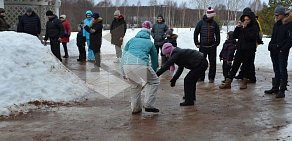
(288, 18)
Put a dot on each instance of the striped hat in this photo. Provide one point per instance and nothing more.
(210, 12)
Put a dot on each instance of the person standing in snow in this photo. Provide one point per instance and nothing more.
(252, 77)
(30, 23)
(67, 33)
(158, 33)
(54, 32)
(171, 38)
(184, 58)
(247, 33)
(95, 30)
(118, 30)
(86, 34)
(209, 40)
(81, 40)
(135, 67)
(4, 26)
(227, 54)
(279, 48)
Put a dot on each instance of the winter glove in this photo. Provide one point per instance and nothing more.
(172, 82)
(229, 62)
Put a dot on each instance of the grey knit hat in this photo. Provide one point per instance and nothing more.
(280, 10)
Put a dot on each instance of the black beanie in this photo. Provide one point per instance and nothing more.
(49, 13)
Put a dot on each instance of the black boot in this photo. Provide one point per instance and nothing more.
(275, 88)
(153, 110)
(283, 88)
(187, 103)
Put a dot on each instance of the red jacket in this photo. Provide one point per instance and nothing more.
(67, 30)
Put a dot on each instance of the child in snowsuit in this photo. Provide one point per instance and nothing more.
(227, 53)
(81, 44)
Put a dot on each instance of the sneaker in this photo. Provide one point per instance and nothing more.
(153, 110)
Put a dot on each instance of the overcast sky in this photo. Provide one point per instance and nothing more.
(145, 2)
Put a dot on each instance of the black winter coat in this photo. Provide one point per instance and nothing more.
(30, 24)
(118, 30)
(247, 37)
(54, 29)
(95, 37)
(81, 39)
(209, 33)
(158, 33)
(282, 35)
(4, 26)
(184, 58)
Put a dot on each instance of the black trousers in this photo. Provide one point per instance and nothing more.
(212, 54)
(82, 52)
(65, 49)
(226, 67)
(55, 47)
(191, 80)
(252, 73)
(246, 59)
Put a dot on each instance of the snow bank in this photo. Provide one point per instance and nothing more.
(29, 72)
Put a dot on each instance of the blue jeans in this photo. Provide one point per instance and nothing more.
(280, 62)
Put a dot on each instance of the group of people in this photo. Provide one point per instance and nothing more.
(238, 52)
(139, 58)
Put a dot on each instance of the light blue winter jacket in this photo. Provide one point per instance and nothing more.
(87, 21)
(138, 49)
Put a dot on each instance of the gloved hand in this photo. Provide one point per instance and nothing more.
(172, 82)
(229, 62)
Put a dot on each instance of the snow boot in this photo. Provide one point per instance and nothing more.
(187, 103)
(227, 84)
(283, 88)
(275, 86)
(243, 84)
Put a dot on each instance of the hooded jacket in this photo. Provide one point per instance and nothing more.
(209, 33)
(54, 29)
(282, 35)
(118, 30)
(4, 26)
(158, 33)
(248, 12)
(228, 50)
(87, 21)
(95, 37)
(184, 58)
(247, 37)
(138, 49)
(30, 24)
(67, 31)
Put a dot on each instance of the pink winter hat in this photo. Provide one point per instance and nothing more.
(146, 24)
(167, 48)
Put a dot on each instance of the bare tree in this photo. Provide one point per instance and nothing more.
(256, 5)
(118, 3)
(183, 6)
